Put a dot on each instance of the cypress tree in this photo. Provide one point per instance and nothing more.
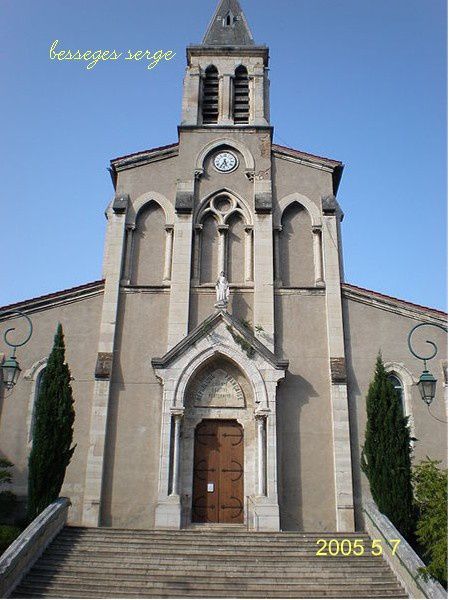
(53, 432)
(386, 455)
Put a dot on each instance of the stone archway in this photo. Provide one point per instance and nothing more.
(218, 391)
(208, 376)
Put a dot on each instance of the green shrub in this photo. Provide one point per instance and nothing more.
(8, 500)
(53, 431)
(246, 346)
(386, 455)
(430, 487)
(8, 534)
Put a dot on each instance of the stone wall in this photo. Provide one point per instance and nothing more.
(80, 319)
(370, 327)
(306, 479)
(134, 420)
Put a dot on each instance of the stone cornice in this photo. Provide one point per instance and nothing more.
(238, 51)
(226, 128)
(305, 159)
(142, 158)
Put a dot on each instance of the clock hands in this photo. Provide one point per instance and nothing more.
(224, 162)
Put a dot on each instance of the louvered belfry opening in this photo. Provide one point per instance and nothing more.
(210, 103)
(241, 100)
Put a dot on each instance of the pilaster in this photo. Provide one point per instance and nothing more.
(191, 96)
(263, 263)
(248, 253)
(258, 96)
(168, 253)
(112, 270)
(317, 249)
(181, 264)
(277, 254)
(225, 95)
(128, 258)
(338, 377)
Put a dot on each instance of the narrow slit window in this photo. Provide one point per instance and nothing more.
(229, 19)
(241, 100)
(210, 104)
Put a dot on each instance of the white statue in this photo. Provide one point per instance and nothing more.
(222, 291)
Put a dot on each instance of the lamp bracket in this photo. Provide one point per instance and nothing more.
(432, 344)
(16, 344)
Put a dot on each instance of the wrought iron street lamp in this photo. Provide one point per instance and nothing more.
(427, 382)
(10, 367)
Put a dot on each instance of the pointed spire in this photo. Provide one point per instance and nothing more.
(228, 27)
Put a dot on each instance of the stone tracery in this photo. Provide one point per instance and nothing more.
(219, 221)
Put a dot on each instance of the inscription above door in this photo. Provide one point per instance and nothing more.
(219, 390)
(218, 494)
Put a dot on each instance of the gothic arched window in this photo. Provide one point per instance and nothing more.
(210, 96)
(398, 386)
(209, 250)
(235, 259)
(296, 248)
(223, 240)
(149, 242)
(241, 96)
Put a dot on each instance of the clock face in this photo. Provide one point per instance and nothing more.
(225, 162)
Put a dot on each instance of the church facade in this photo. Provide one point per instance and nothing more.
(221, 364)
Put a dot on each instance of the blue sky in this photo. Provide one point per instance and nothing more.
(355, 80)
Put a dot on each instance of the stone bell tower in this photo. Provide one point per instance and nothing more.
(223, 70)
(225, 108)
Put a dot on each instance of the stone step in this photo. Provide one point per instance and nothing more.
(188, 535)
(142, 543)
(116, 589)
(210, 531)
(62, 593)
(80, 574)
(202, 549)
(268, 558)
(206, 548)
(116, 563)
(151, 553)
(310, 567)
(312, 546)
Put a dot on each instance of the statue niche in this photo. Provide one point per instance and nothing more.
(218, 389)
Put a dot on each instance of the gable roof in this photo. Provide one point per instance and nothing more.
(63, 296)
(137, 159)
(205, 327)
(142, 157)
(354, 292)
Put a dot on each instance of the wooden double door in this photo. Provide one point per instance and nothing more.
(218, 487)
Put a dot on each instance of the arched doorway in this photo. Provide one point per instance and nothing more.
(209, 379)
(218, 474)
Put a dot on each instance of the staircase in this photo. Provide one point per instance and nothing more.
(118, 563)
